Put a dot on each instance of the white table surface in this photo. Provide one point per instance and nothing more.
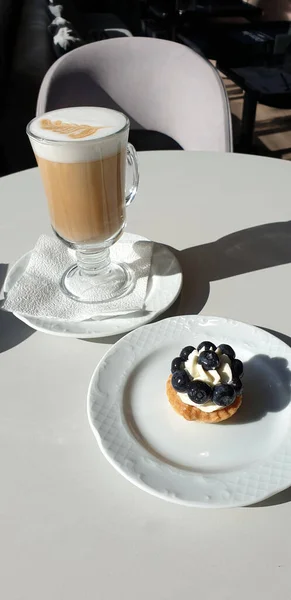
(71, 528)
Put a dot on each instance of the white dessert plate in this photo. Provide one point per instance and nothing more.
(234, 463)
(164, 286)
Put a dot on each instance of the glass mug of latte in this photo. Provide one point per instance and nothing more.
(82, 154)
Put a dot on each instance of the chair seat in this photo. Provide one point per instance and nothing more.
(143, 139)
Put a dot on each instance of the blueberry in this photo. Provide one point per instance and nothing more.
(199, 392)
(226, 349)
(186, 352)
(209, 360)
(237, 368)
(223, 394)
(206, 346)
(180, 381)
(177, 364)
(237, 386)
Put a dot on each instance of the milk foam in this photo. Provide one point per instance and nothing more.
(60, 147)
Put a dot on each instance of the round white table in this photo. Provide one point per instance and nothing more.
(71, 526)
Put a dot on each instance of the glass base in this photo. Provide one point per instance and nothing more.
(95, 288)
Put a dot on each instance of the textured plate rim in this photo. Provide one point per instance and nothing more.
(134, 479)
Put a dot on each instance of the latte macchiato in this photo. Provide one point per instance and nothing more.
(83, 164)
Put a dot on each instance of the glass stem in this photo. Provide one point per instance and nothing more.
(93, 263)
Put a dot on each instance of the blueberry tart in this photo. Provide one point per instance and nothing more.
(205, 383)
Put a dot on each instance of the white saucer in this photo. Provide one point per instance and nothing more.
(165, 282)
(235, 463)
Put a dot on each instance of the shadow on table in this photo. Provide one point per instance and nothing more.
(280, 498)
(12, 331)
(241, 252)
(3, 273)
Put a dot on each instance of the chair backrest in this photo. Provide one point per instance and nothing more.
(162, 86)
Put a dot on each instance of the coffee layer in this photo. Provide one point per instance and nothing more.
(86, 199)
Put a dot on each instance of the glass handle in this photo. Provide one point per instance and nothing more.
(132, 161)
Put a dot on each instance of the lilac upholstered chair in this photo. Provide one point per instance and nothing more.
(162, 86)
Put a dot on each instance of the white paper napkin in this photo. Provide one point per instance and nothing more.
(38, 294)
